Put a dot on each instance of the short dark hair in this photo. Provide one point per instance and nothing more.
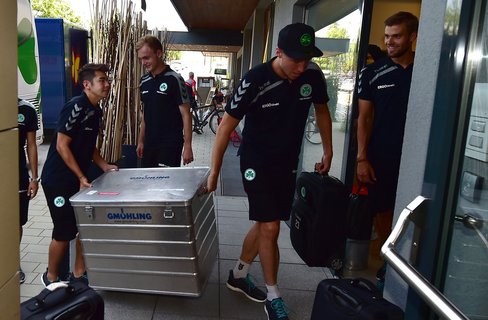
(151, 41)
(87, 72)
(411, 21)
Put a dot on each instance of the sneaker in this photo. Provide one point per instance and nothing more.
(246, 286)
(46, 281)
(276, 309)
(83, 278)
(21, 276)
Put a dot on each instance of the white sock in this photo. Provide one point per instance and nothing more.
(241, 269)
(273, 292)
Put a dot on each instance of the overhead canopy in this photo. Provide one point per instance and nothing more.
(215, 14)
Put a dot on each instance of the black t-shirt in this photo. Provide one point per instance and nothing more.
(276, 111)
(387, 85)
(161, 97)
(27, 122)
(80, 120)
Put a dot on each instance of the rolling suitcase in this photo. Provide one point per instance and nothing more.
(318, 220)
(74, 301)
(348, 299)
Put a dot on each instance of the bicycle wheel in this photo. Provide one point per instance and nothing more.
(215, 120)
(312, 132)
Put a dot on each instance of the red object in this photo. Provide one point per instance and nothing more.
(362, 191)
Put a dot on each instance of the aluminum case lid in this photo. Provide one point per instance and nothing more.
(149, 186)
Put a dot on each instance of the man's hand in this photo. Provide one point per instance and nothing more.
(323, 166)
(187, 155)
(211, 182)
(84, 183)
(32, 189)
(140, 149)
(110, 167)
(365, 172)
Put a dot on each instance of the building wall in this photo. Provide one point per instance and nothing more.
(417, 129)
(9, 228)
(282, 17)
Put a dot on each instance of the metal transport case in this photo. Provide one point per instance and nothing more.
(148, 230)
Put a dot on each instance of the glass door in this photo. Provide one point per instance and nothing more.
(466, 273)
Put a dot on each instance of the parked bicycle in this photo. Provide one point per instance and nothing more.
(312, 133)
(212, 116)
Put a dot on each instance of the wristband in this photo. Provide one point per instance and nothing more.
(35, 179)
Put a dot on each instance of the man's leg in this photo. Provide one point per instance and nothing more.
(268, 250)
(250, 245)
(239, 279)
(79, 260)
(57, 248)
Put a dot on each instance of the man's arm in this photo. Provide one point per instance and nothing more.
(62, 146)
(187, 133)
(32, 156)
(140, 139)
(226, 127)
(365, 172)
(324, 123)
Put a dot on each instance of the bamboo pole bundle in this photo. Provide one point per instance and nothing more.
(116, 28)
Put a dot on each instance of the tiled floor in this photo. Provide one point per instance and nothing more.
(297, 281)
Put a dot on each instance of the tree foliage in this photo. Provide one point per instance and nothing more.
(55, 9)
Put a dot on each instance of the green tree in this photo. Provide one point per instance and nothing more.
(55, 9)
(172, 55)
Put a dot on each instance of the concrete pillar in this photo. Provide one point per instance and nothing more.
(9, 197)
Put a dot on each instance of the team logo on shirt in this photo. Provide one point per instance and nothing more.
(163, 86)
(21, 117)
(303, 192)
(249, 174)
(306, 90)
(59, 201)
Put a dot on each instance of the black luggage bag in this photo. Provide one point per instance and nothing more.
(76, 301)
(318, 220)
(352, 299)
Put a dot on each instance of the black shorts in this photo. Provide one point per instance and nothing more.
(164, 156)
(269, 191)
(62, 212)
(23, 201)
(382, 193)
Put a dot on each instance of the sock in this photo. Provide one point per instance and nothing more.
(241, 269)
(273, 292)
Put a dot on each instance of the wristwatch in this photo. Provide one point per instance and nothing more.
(35, 180)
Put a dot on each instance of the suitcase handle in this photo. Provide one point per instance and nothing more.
(416, 212)
(363, 283)
(342, 298)
(41, 298)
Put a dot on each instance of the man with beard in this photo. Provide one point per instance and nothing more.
(383, 91)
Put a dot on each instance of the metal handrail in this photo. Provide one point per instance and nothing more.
(415, 211)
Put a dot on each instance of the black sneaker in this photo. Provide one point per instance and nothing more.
(246, 286)
(276, 309)
(46, 281)
(21, 276)
(83, 278)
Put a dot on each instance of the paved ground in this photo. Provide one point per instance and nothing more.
(297, 281)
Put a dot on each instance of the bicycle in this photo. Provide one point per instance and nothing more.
(212, 116)
(312, 133)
